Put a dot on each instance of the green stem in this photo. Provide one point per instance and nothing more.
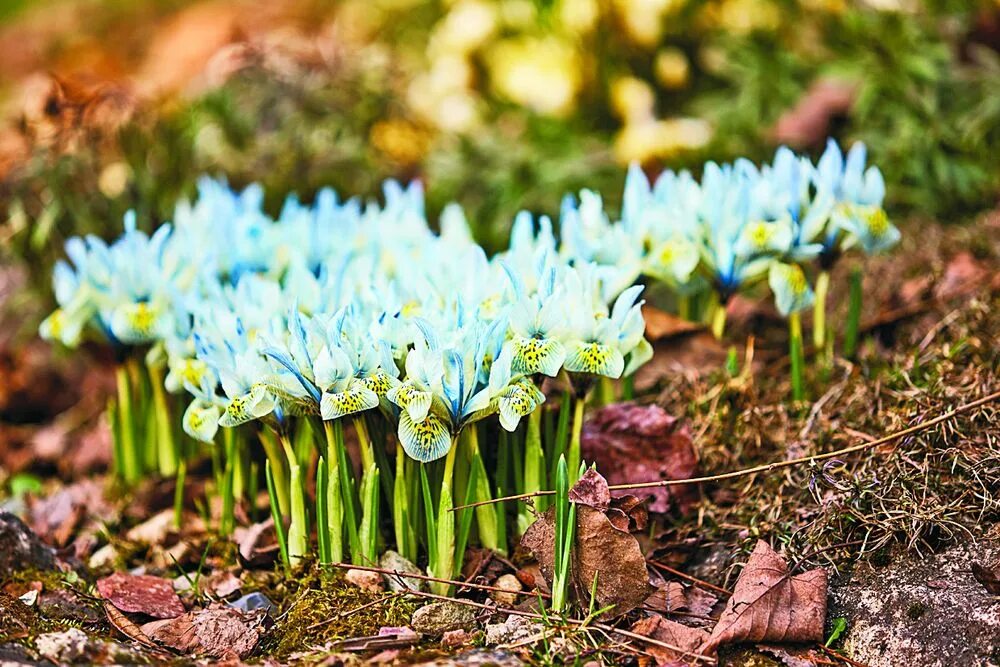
(819, 311)
(226, 521)
(444, 568)
(853, 315)
(130, 464)
(534, 465)
(298, 528)
(795, 352)
(334, 494)
(718, 329)
(401, 506)
(273, 452)
(684, 306)
(574, 456)
(486, 518)
(364, 443)
(166, 448)
(179, 493)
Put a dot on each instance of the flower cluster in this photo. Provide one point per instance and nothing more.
(343, 310)
(339, 308)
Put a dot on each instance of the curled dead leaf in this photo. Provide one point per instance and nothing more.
(769, 604)
(602, 552)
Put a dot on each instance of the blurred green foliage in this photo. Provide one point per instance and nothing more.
(927, 103)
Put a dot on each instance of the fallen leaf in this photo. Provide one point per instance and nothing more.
(633, 443)
(218, 632)
(144, 594)
(591, 490)
(699, 601)
(769, 604)
(989, 577)
(685, 640)
(634, 509)
(808, 122)
(793, 657)
(661, 324)
(601, 551)
(669, 596)
(258, 544)
(125, 626)
(963, 275)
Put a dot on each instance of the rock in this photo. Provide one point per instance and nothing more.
(393, 561)
(253, 601)
(928, 612)
(365, 580)
(511, 585)
(63, 647)
(438, 618)
(21, 549)
(480, 657)
(514, 629)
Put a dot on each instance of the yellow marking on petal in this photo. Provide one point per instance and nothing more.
(536, 355)
(878, 222)
(760, 235)
(380, 383)
(426, 440)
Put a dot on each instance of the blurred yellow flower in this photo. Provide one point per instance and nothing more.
(542, 74)
(578, 16)
(643, 19)
(645, 140)
(113, 179)
(518, 14)
(399, 140)
(672, 68)
(632, 99)
(744, 16)
(466, 26)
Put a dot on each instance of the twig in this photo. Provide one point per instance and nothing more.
(768, 467)
(344, 614)
(695, 580)
(401, 576)
(570, 621)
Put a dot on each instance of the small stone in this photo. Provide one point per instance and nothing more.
(454, 638)
(511, 586)
(438, 618)
(365, 580)
(63, 647)
(514, 629)
(391, 560)
(21, 549)
(103, 557)
(253, 601)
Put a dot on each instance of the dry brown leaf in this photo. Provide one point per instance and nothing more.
(989, 577)
(669, 596)
(126, 627)
(633, 443)
(603, 552)
(687, 639)
(591, 490)
(769, 604)
(144, 594)
(808, 122)
(217, 632)
(660, 324)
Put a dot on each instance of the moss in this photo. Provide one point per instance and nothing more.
(323, 607)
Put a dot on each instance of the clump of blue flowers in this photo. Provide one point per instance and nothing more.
(350, 320)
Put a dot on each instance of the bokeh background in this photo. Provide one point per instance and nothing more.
(107, 105)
